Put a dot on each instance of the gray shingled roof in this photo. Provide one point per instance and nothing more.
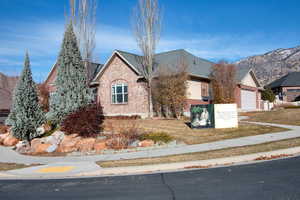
(291, 79)
(195, 66)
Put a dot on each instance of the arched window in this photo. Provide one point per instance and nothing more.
(119, 93)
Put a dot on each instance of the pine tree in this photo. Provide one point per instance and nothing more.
(26, 114)
(71, 83)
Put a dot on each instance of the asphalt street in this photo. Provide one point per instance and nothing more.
(274, 180)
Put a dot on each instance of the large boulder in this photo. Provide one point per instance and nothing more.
(2, 137)
(146, 143)
(100, 146)
(23, 147)
(86, 144)
(69, 143)
(10, 140)
(41, 148)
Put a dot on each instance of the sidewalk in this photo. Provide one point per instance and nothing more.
(10, 156)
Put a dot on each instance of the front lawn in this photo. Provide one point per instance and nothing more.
(284, 116)
(180, 130)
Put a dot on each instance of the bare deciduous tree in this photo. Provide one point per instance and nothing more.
(146, 27)
(170, 89)
(83, 17)
(223, 81)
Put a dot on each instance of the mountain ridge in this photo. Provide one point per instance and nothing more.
(273, 64)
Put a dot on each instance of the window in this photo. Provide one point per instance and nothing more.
(95, 94)
(119, 94)
(204, 89)
(293, 90)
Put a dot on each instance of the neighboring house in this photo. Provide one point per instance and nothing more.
(120, 85)
(92, 70)
(287, 87)
(7, 85)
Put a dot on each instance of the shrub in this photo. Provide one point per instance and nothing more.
(86, 121)
(157, 137)
(123, 133)
(268, 95)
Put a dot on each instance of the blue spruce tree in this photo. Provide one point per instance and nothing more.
(26, 114)
(71, 83)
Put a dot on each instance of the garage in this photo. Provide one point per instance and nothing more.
(248, 100)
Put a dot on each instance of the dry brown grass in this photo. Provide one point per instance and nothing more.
(179, 130)
(11, 166)
(205, 155)
(285, 116)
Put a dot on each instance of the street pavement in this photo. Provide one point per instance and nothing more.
(271, 180)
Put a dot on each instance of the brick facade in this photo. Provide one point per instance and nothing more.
(290, 95)
(117, 71)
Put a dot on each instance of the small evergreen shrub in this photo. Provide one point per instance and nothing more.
(26, 114)
(268, 95)
(86, 121)
(157, 137)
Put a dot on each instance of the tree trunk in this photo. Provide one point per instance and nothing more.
(150, 102)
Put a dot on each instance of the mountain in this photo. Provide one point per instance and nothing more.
(7, 85)
(273, 64)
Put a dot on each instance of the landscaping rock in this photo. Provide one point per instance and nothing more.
(58, 135)
(41, 148)
(86, 144)
(23, 147)
(146, 143)
(51, 148)
(69, 144)
(2, 137)
(135, 143)
(100, 146)
(35, 142)
(10, 141)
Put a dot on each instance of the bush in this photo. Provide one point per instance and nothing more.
(268, 95)
(123, 133)
(157, 137)
(86, 121)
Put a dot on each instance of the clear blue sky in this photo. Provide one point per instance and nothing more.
(211, 29)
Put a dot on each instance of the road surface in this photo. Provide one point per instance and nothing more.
(272, 180)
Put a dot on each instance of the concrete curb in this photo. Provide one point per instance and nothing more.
(194, 164)
(170, 167)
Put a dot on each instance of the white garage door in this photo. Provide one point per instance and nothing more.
(248, 100)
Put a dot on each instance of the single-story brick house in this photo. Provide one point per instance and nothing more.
(119, 83)
(287, 87)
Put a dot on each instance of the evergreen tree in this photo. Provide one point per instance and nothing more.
(26, 114)
(71, 83)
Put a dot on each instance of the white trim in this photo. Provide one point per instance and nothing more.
(251, 72)
(105, 65)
